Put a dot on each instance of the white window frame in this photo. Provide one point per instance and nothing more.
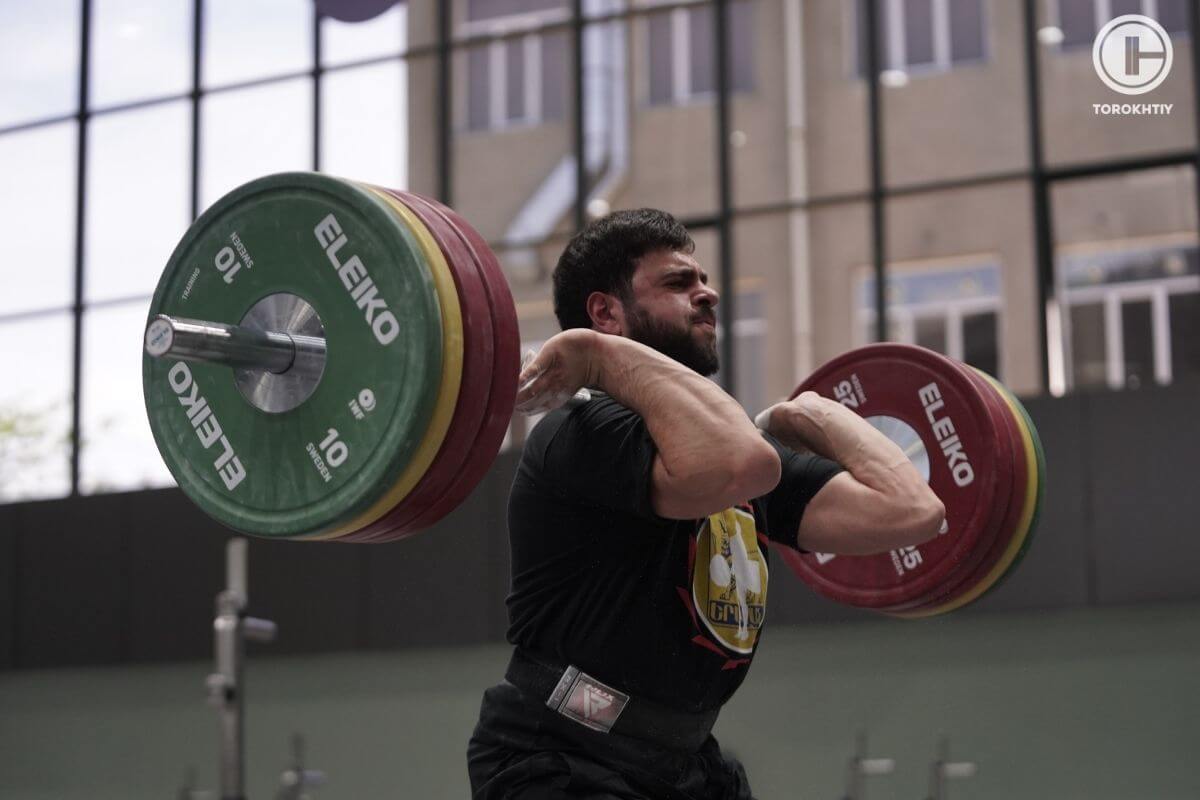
(895, 48)
(903, 317)
(681, 58)
(531, 44)
(1112, 296)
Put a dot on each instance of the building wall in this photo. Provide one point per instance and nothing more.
(965, 122)
(989, 223)
(958, 124)
(1075, 134)
(671, 166)
(970, 122)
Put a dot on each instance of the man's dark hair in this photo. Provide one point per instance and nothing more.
(603, 256)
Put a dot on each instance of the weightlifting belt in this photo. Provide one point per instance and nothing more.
(571, 693)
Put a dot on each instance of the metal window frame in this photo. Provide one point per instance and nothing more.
(1039, 175)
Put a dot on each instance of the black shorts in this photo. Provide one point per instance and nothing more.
(521, 750)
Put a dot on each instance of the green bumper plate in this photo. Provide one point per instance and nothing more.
(305, 470)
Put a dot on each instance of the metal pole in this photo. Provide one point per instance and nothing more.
(580, 143)
(445, 88)
(943, 769)
(224, 685)
(318, 73)
(231, 629)
(197, 66)
(725, 239)
(860, 767)
(80, 234)
(869, 13)
(1042, 212)
(1194, 33)
(854, 776)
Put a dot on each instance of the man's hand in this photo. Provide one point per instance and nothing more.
(566, 363)
(800, 423)
(881, 503)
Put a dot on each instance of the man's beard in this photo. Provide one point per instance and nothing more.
(672, 341)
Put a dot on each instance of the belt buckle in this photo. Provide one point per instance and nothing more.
(580, 697)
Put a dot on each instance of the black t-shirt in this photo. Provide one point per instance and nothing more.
(663, 609)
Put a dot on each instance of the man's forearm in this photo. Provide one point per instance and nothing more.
(698, 429)
(830, 429)
(884, 502)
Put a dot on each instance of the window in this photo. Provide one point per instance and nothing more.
(1132, 316)
(38, 206)
(681, 62)
(1081, 20)
(1077, 21)
(247, 41)
(35, 407)
(955, 312)
(280, 139)
(131, 175)
(923, 35)
(39, 60)
(384, 35)
(363, 134)
(140, 49)
(494, 9)
(116, 449)
(516, 80)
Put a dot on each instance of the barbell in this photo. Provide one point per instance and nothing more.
(326, 359)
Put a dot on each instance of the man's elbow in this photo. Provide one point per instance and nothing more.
(923, 521)
(756, 471)
(751, 472)
(712, 484)
(903, 522)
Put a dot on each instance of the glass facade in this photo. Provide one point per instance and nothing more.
(1012, 225)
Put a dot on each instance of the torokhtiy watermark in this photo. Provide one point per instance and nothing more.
(1132, 55)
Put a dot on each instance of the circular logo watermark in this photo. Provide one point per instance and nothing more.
(1132, 54)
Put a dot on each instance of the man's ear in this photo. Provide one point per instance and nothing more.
(607, 313)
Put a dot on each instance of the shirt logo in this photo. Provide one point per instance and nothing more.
(729, 587)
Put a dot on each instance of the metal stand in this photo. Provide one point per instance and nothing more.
(231, 629)
(860, 768)
(944, 769)
(294, 780)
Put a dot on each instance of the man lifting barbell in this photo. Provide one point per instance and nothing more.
(639, 520)
(289, 400)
